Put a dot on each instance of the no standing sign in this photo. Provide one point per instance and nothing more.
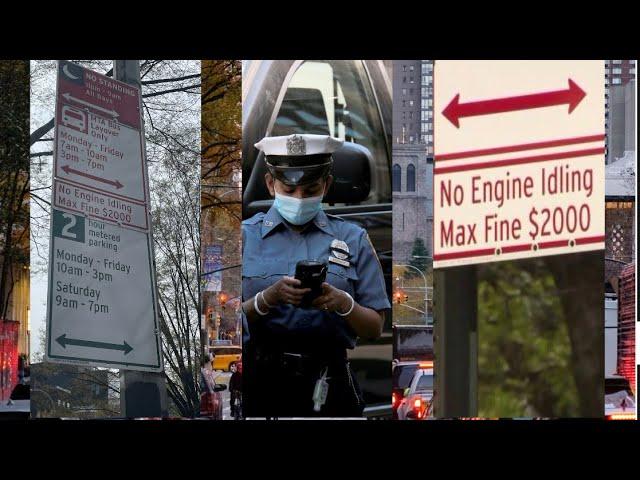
(102, 289)
(519, 160)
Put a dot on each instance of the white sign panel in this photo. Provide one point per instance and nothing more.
(95, 204)
(101, 305)
(102, 290)
(519, 160)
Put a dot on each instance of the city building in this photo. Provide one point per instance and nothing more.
(620, 120)
(412, 169)
(413, 103)
(620, 226)
(15, 329)
(221, 260)
(620, 78)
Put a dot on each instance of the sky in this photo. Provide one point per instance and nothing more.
(43, 85)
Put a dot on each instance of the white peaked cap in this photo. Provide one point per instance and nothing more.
(299, 144)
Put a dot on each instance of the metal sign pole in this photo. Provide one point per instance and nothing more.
(142, 394)
(455, 342)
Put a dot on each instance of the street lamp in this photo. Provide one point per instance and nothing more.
(53, 405)
(426, 290)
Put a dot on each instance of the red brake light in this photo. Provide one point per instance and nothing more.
(417, 403)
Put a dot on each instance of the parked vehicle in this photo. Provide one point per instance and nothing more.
(619, 402)
(416, 403)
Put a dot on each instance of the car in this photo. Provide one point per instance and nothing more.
(416, 403)
(18, 406)
(619, 402)
(401, 376)
(350, 100)
(226, 357)
(211, 401)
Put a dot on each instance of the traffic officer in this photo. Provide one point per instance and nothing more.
(295, 354)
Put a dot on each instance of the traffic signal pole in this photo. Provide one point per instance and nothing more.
(142, 394)
(455, 342)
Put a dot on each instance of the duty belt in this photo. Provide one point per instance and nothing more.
(295, 363)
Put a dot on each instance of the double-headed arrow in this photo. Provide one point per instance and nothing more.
(69, 98)
(64, 341)
(456, 110)
(68, 170)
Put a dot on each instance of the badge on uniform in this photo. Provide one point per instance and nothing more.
(340, 253)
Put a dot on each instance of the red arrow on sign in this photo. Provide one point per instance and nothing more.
(572, 96)
(115, 183)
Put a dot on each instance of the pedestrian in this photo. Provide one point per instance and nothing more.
(235, 389)
(295, 346)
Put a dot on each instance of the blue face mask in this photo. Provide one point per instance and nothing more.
(297, 211)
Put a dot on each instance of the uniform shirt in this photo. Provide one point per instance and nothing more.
(271, 249)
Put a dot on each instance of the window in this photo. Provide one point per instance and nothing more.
(404, 103)
(335, 97)
(411, 103)
(411, 91)
(411, 79)
(411, 115)
(410, 138)
(404, 79)
(397, 178)
(411, 178)
(632, 71)
(617, 62)
(404, 68)
(425, 382)
(404, 91)
(426, 114)
(617, 71)
(617, 81)
(427, 103)
(411, 68)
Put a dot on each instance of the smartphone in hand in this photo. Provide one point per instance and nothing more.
(311, 275)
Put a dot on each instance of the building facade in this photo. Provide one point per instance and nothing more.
(412, 167)
(221, 260)
(619, 80)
